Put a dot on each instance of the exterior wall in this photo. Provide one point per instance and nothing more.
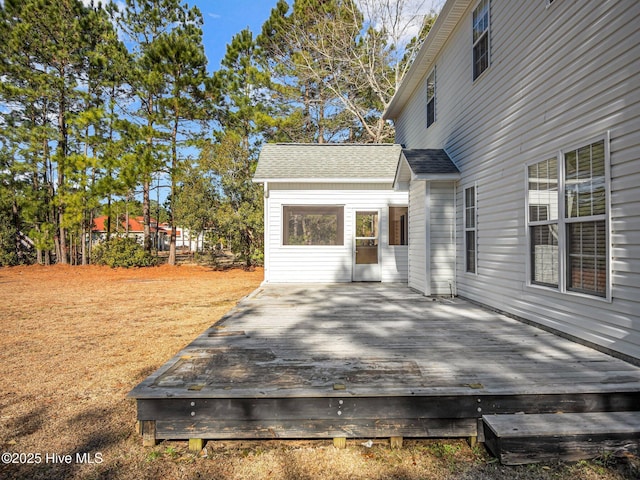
(292, 264)
(418, 237)
(432, 244)
(442, 234)
(559, 76)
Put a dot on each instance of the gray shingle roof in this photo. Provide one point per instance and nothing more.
(330, 161)
(429, 161)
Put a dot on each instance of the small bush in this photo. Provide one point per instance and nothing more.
(122, 252)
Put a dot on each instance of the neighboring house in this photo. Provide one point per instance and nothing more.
(331, 213)
(134, 229)
(185, 239)
(537, 103)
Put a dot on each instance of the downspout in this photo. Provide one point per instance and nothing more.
(266, 233)
(427, 225)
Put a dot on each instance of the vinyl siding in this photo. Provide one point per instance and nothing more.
(559, 76)
(418, 237)
(442, 238)
(295, 264)
(432, 246)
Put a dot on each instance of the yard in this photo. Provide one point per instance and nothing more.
(78, 339)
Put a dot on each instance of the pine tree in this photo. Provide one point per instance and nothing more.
(45, 61)
(341, 60)
(305, 109)
(238, 92)
(145, 21)
(180, 57)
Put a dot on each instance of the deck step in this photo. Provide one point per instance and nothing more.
(520, 439)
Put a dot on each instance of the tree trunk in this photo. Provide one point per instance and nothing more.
(174, 173)
(172, 246)
(62, 240)
(83, 247)
(146, 215)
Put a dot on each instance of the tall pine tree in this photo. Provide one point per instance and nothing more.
(238, 92)
(180, 57)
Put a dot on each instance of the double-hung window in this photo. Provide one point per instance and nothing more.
(431, 98)
(585, 206)
(470, 237)
(543, 221)
(481, 38)
(567, 218)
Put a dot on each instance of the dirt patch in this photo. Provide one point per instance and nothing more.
(76, 340)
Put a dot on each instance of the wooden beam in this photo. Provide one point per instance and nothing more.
(148, 430)
(234, 429)
(396, 442)
(196, 445)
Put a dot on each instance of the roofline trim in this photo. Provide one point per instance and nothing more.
(435, 176)
(447, 21)
(323, 180)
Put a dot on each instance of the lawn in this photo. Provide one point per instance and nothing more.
(76, 340)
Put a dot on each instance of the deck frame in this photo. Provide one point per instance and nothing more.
(269, 369)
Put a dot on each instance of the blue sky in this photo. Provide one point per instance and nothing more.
(224, 18)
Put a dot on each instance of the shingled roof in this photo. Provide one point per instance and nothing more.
(425, 164)
(328, 161)
(429, 161)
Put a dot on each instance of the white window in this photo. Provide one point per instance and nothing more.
(398, 226)
(313, 225)
(568, 220)
(470, 230)
(543, 221)
(431, 98)
(481, 38)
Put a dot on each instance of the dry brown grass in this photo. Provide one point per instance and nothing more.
(75, 340)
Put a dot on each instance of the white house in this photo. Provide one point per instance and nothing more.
(332, 214)
(519, 173)
(537, 103)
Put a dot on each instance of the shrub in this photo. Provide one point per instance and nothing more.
(122, 252)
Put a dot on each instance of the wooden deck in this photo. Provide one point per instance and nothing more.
(370, 360)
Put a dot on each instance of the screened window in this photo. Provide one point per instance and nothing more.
(575, 240)
(585, 213)
(431, 98)
(470, 243)
(480, 38)
(543, 221)
(398, 226)
(313, 225)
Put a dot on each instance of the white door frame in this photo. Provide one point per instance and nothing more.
(366, 272)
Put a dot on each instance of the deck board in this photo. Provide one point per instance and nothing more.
(377, 341)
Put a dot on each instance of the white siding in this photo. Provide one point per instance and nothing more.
(293, 264)
(442, 238)
(432, 234)
(418, 237)
(559, 76)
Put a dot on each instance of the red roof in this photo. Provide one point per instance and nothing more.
(136, 224)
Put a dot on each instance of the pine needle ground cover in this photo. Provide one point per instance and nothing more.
(76, 340)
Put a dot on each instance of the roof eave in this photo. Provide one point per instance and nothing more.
(323, 180)
(432, 177)
(447, 20)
